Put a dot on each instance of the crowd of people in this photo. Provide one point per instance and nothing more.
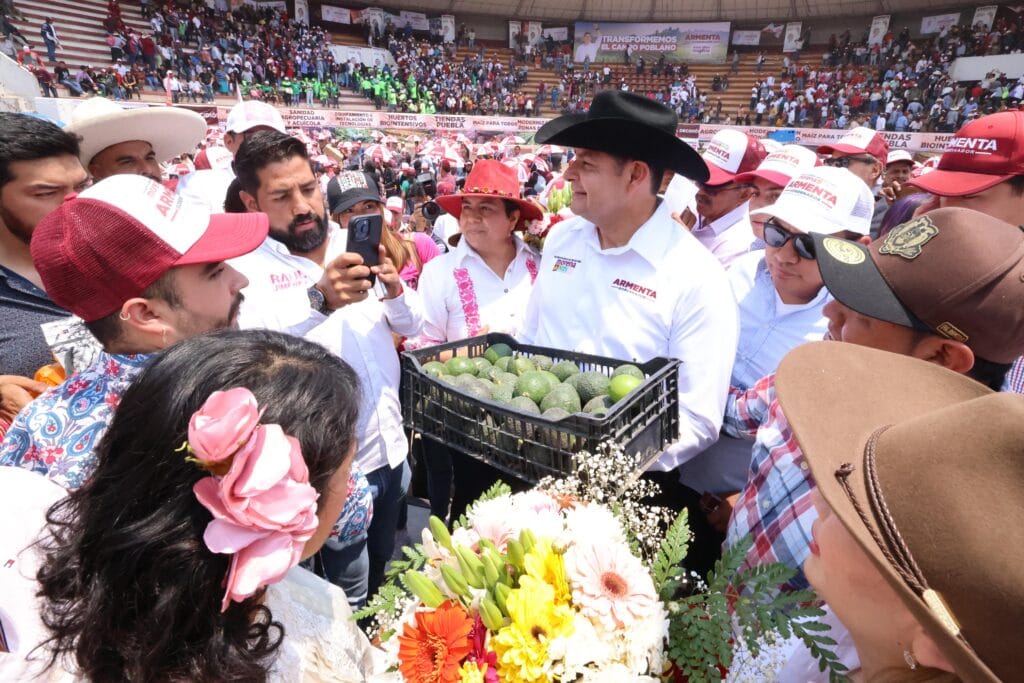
(895, 84)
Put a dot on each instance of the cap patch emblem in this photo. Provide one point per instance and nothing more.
(951, 331)
(843, 251)
(907, 240)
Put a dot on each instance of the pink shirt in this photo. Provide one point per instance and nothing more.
(426, 249)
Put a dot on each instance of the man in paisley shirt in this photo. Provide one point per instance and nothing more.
(144, 270)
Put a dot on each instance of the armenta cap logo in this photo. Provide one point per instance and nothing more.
(966, 145)
(813, 188)
(908, 240)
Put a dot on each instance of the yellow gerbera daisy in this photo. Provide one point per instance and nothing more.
(522, 646)
(543, 563)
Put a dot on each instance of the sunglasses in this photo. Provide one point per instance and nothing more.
(776, 236)
(844, 162)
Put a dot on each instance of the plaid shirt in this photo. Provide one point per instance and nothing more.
(1014, 379)
(775, 506)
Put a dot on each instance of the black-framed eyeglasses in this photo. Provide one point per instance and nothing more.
(776, 236)
(844, 162)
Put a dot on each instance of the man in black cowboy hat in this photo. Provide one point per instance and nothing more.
(622, 279)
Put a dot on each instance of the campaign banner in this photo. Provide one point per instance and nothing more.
(368, 56)
(337, 15)
(448, 27)
(375, 17)
(279, 5)
(985, 16)
(302, 12)
(879, 27)
(417, 20)
(677, 42)
(514, 29)
(793, 37)
(60, 108)
(939, 23)
(746, 37)
(559, 34)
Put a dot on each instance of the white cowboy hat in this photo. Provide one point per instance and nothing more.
(102, 123)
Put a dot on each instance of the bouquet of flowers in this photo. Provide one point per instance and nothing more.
(576, 580)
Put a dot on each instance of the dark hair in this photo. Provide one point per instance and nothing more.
(130, 591)
(107, 330)
(989, 373)
(657, 171)
(232, 200)
(262, 149)
(901, 211)
(28, 138)
(1017, 184)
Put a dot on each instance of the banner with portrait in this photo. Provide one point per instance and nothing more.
(793, 39)
(985, 16)
(879, 27)
(302, 12)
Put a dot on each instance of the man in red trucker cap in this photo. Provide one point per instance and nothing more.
(864, 152)
(143, 269)
(723, 219)
(982, 168)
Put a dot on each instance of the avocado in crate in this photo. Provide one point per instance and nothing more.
(527, 409)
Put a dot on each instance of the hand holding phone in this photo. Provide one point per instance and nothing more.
(364, 235)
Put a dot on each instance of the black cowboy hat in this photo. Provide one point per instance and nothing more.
(628, 125)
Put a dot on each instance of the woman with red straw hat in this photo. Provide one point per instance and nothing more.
(480, 286)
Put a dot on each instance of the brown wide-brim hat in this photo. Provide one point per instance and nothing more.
(494, 180)
(935, 461)
(627, 125)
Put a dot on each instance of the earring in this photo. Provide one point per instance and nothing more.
(123, 317)
(163, 337)
(908, 657)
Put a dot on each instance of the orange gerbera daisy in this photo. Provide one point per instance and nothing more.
(432, 650)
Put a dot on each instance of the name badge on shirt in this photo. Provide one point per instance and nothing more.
(635, 289)
(280, 281)
(564, 264)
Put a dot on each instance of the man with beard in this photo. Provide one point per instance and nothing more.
(143, 270)
(38, 166)
(303, 282)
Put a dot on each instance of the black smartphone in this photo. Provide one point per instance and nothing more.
(364, 239)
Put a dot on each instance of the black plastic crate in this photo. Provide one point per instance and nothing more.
(528, 446)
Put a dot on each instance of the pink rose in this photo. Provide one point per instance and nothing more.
(223, 424)
(264, 511)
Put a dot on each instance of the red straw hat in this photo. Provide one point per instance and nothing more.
(491, 178)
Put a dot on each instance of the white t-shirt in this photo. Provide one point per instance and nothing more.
(661, 295)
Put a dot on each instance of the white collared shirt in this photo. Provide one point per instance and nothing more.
(661, 295)
(727, 237)
(498, 302)
(769, 329)
(360, 333)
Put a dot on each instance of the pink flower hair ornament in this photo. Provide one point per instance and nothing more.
(263, 507)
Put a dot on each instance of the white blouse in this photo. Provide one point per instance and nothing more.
(461, 295)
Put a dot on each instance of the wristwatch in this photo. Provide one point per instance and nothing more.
(317, 300)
